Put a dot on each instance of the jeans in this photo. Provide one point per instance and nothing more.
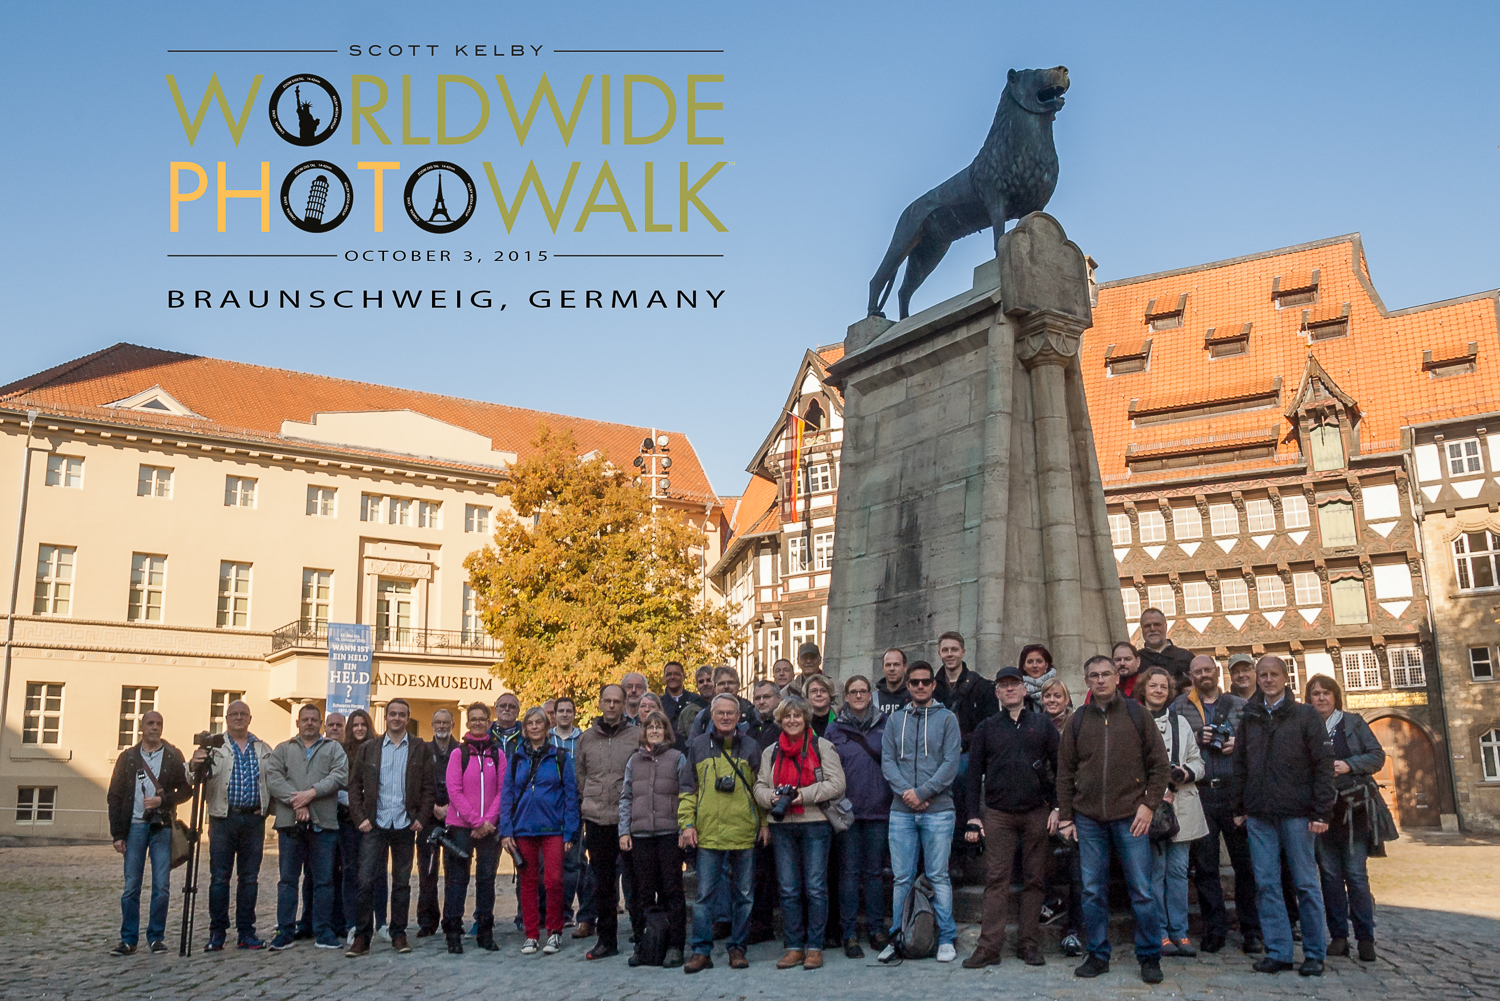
(862, 851)
(1169, 884)
(802, 872)
(235, 844)
(1003, 832)
(657, 863)
(1205, 855)
(933, 833)
(1346, 884)
(378, 843)
(608, 863)
(1269, 839)
(1095, 840)
(736, 867)
(485, 860)
(578, 884)
(139, 843)
(314, 853)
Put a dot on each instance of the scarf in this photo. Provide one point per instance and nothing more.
(796, 763)
(1034, 685)
(1334, 719)
(864, 724)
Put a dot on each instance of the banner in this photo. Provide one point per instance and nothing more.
(351, 650)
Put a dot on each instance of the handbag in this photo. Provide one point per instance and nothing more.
(182, 835)
(1164, 825)
(838, 812)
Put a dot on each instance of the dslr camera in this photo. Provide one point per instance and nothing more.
(784, 797)
(724, 783)
(1218, 734)
(439, 836)
(208, 740)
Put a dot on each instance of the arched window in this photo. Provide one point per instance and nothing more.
(1489, 752)
(1327, 447)
(813, 415)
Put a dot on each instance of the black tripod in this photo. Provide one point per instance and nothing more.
(190, 868)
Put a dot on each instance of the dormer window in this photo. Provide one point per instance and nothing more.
(1168, 316)
(1461, 364)
(1326, 445)
(1123, 359)
(154, 400)
(1227, 342)
(1296, 293)
(813, 416)
(1327, 327)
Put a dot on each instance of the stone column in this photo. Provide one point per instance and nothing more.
(377, 715)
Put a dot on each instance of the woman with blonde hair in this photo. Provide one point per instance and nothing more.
(539, 823)
(655, 776)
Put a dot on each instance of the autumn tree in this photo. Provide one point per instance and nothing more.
(590, 579)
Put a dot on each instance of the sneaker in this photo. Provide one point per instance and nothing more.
(250, 942)
(1338, 947)
(887, 954)
(215, 943)
(1092, 967)
(123, 949)
(158, 947)
(1268, 965)
(328, 942)
(280, 942)
(554, 944)
(1071, 946)
(384, 931)
(946, 953)
(359, 947)
(1151, 971)
(1185, 947)
(303, 934)
(1169, 948)
(1310, 968)
(530, 947)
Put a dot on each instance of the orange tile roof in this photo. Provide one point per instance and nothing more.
(1378, 364)
(758, 500)
(251, 401)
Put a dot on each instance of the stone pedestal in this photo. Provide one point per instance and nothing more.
(969, 493)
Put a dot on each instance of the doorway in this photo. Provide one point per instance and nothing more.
(393, 606)
(1409, 781)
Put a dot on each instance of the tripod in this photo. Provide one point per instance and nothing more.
(191, 867)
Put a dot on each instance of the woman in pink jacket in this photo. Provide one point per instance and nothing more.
(476, 769)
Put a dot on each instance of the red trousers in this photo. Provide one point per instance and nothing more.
(538, 853)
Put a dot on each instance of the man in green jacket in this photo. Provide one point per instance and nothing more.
(720, 817)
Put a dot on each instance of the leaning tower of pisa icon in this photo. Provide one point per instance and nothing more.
(317, 199)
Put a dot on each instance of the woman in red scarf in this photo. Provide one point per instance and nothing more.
(798, 773)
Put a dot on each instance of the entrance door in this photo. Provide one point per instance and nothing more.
(393, 605)
(1408, 782)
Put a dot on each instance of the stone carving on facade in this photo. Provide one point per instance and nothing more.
(398, 568)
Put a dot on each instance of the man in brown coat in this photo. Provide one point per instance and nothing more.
(599, 764)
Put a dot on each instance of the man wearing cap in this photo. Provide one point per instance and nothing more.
(1214, 715)
(1242, 676)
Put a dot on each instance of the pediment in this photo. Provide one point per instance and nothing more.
(155, 401)
(404, 432)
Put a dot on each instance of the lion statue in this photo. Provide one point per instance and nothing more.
(1013, 174)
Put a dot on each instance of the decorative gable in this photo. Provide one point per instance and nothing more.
(155, 400)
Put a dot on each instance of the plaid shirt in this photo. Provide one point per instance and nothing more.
(244, 779)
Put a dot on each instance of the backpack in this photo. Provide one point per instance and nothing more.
(515, 804)
(651, 947)
(466, 751)
(917, 937)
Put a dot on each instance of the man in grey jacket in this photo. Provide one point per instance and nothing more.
(919, 758)
(303, 776)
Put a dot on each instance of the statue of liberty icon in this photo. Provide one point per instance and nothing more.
(307, 125)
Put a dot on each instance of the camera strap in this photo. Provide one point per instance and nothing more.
(147, 768)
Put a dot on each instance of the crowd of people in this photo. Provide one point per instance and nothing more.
(804, 796)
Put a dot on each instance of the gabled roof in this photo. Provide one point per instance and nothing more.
(757, 514)
(236, 400)
(815, 362)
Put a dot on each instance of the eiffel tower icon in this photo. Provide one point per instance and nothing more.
(438, 208)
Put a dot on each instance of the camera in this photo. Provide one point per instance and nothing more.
(724, 783)
(1181, 776)
(439, 836)
(208, 740)
(1218, 734)
(784, 797)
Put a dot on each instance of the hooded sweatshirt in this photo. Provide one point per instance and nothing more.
(920, 750)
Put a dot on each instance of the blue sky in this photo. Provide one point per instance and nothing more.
(1192, 132)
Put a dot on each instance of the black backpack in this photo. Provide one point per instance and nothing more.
(651, 947)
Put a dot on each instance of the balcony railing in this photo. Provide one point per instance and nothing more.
(439, 642)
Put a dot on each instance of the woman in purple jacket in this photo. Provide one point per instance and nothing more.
(856, 735)
(476, 770)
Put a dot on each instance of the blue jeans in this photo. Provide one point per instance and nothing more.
(737, 868)
(802, 874)
(1095, 840)
(1269, 838)
(315, 854)
(138, 844)
(933, 833)
(862, 851)
(1169, 885)
(235, 844)
(1346, 885)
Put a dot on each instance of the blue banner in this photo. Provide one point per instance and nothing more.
(351, 651)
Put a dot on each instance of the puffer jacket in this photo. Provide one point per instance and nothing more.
(1283, 761)
(1191, 822)
(600, 761)
(921, 750)
(1227, 708)
(828, 788)
(655, 780)
(474, 792)
(858, 743)
(538, 796)
(725, 821)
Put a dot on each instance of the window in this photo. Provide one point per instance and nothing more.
(804, 631)
(1361, 670)
(1327, 447)
(369, 507)
(41, 720)
(35, 804)
(1270, 592)
(317, 595)
(148, 576)
(321, 503)
(393, 610)
(1307, 588)
(1481, 664)
(1475, 552)
(1163, 597)
(1294, 512)
(429, 514)
(218, 704)
(1224, 519)
(819, 478)
(773, 645)
(1187, 523)
(823, 551)
(1234, 595)
(796, 554)
(64, 471)
(1336, 523)
(1463, 457)
(1350, 605)
(134, 703)
(476, 519)
(54, 580)
(234, 595)
(1407, 670)
(1197, 598)
(1119, 529)
(1260, 516)
(1489, 753)
(398, 511)
(154, 481)
(473, 625)
(239, 491)
(1131, 598)
(1153, 527)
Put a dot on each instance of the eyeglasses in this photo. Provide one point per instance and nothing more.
(913, 682)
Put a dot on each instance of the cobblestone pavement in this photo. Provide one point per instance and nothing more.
(1439, 938)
